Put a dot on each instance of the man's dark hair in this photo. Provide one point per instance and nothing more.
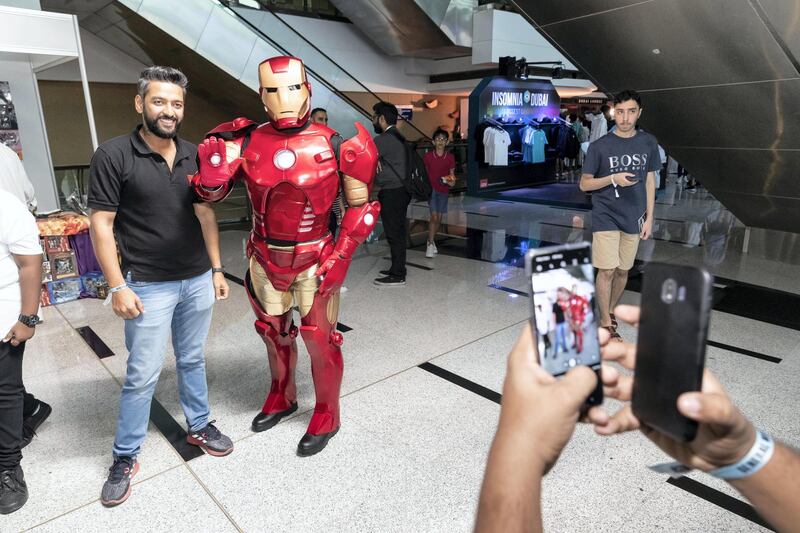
(605, 109)
(387, 111)
(157, 73)
(318, 110)
(440, 131)
(573, 117)
(627, 95)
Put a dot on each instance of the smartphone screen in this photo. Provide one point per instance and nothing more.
(563, 298)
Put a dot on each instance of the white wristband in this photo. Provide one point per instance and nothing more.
(612, 181)
(112, 290)
(758, 456)
(118, 288)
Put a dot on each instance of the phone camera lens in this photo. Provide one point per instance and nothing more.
(669, 290)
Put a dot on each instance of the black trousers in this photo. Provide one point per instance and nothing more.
(12, 394)
(394, 206)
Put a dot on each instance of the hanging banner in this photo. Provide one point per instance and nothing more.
(9, 130)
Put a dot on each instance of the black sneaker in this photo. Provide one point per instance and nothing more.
(32, 423)
(117, 487)
(390, 281)
(211, 440)
(385, 273)
(13, 490)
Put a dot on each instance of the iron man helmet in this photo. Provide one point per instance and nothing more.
(285, 91)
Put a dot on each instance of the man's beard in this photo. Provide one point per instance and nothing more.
(155, 129)
(377, 128)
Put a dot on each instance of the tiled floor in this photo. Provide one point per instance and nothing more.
(412, 448)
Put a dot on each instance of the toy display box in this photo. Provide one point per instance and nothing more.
(64, 290)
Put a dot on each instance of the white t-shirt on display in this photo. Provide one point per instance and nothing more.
(500, 140)
(501, 148)
(19, 235)
(488, 145)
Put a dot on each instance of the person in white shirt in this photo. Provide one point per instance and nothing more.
(14, 179)
(599, 123)
(544, 323)
(20, 282)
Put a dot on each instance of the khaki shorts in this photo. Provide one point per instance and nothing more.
(614, 249)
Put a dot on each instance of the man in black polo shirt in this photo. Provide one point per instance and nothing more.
(168, 241)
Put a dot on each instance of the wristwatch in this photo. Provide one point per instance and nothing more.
(220, 270)
(29, 320)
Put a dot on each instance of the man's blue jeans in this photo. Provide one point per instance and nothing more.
(561, 337)
(185, 308)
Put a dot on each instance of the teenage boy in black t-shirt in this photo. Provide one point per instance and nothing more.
(620, 169)
(169, 242)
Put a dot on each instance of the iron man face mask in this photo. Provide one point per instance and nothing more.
(285, 91)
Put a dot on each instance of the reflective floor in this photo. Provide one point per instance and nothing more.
(423, 368)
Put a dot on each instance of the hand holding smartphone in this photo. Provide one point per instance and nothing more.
(623, 179)
(563, 315)
(670, 356)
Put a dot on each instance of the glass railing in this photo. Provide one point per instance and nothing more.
(71, 182)
(343, 111)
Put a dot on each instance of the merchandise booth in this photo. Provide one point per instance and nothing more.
(517, 141)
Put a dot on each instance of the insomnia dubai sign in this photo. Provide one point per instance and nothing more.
(519, 98)
(504, 98)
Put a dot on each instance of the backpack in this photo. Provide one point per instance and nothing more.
(416, 180)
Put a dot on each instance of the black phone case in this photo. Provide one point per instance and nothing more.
(671, 349)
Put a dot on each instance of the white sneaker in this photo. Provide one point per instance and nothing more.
(435, 250)
(430, 250)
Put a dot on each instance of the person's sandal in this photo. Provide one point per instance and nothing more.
(612, 331)
(614, 323)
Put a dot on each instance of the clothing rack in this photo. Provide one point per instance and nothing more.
(493, 122)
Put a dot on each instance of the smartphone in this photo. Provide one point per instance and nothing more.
(670, 357)
(563, 310)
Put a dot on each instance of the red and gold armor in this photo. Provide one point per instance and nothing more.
(292, 175)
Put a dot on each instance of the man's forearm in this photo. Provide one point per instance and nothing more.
(590, 183)
(105, 249)
(511, 493)
(775, 489)
(210, 229)
(30, 284)
(651, 195)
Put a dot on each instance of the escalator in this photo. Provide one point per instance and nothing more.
(435, 29)
(720, 84)
(212, 42)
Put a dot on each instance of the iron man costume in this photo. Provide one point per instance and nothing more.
(577, 309)
(292, 178)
